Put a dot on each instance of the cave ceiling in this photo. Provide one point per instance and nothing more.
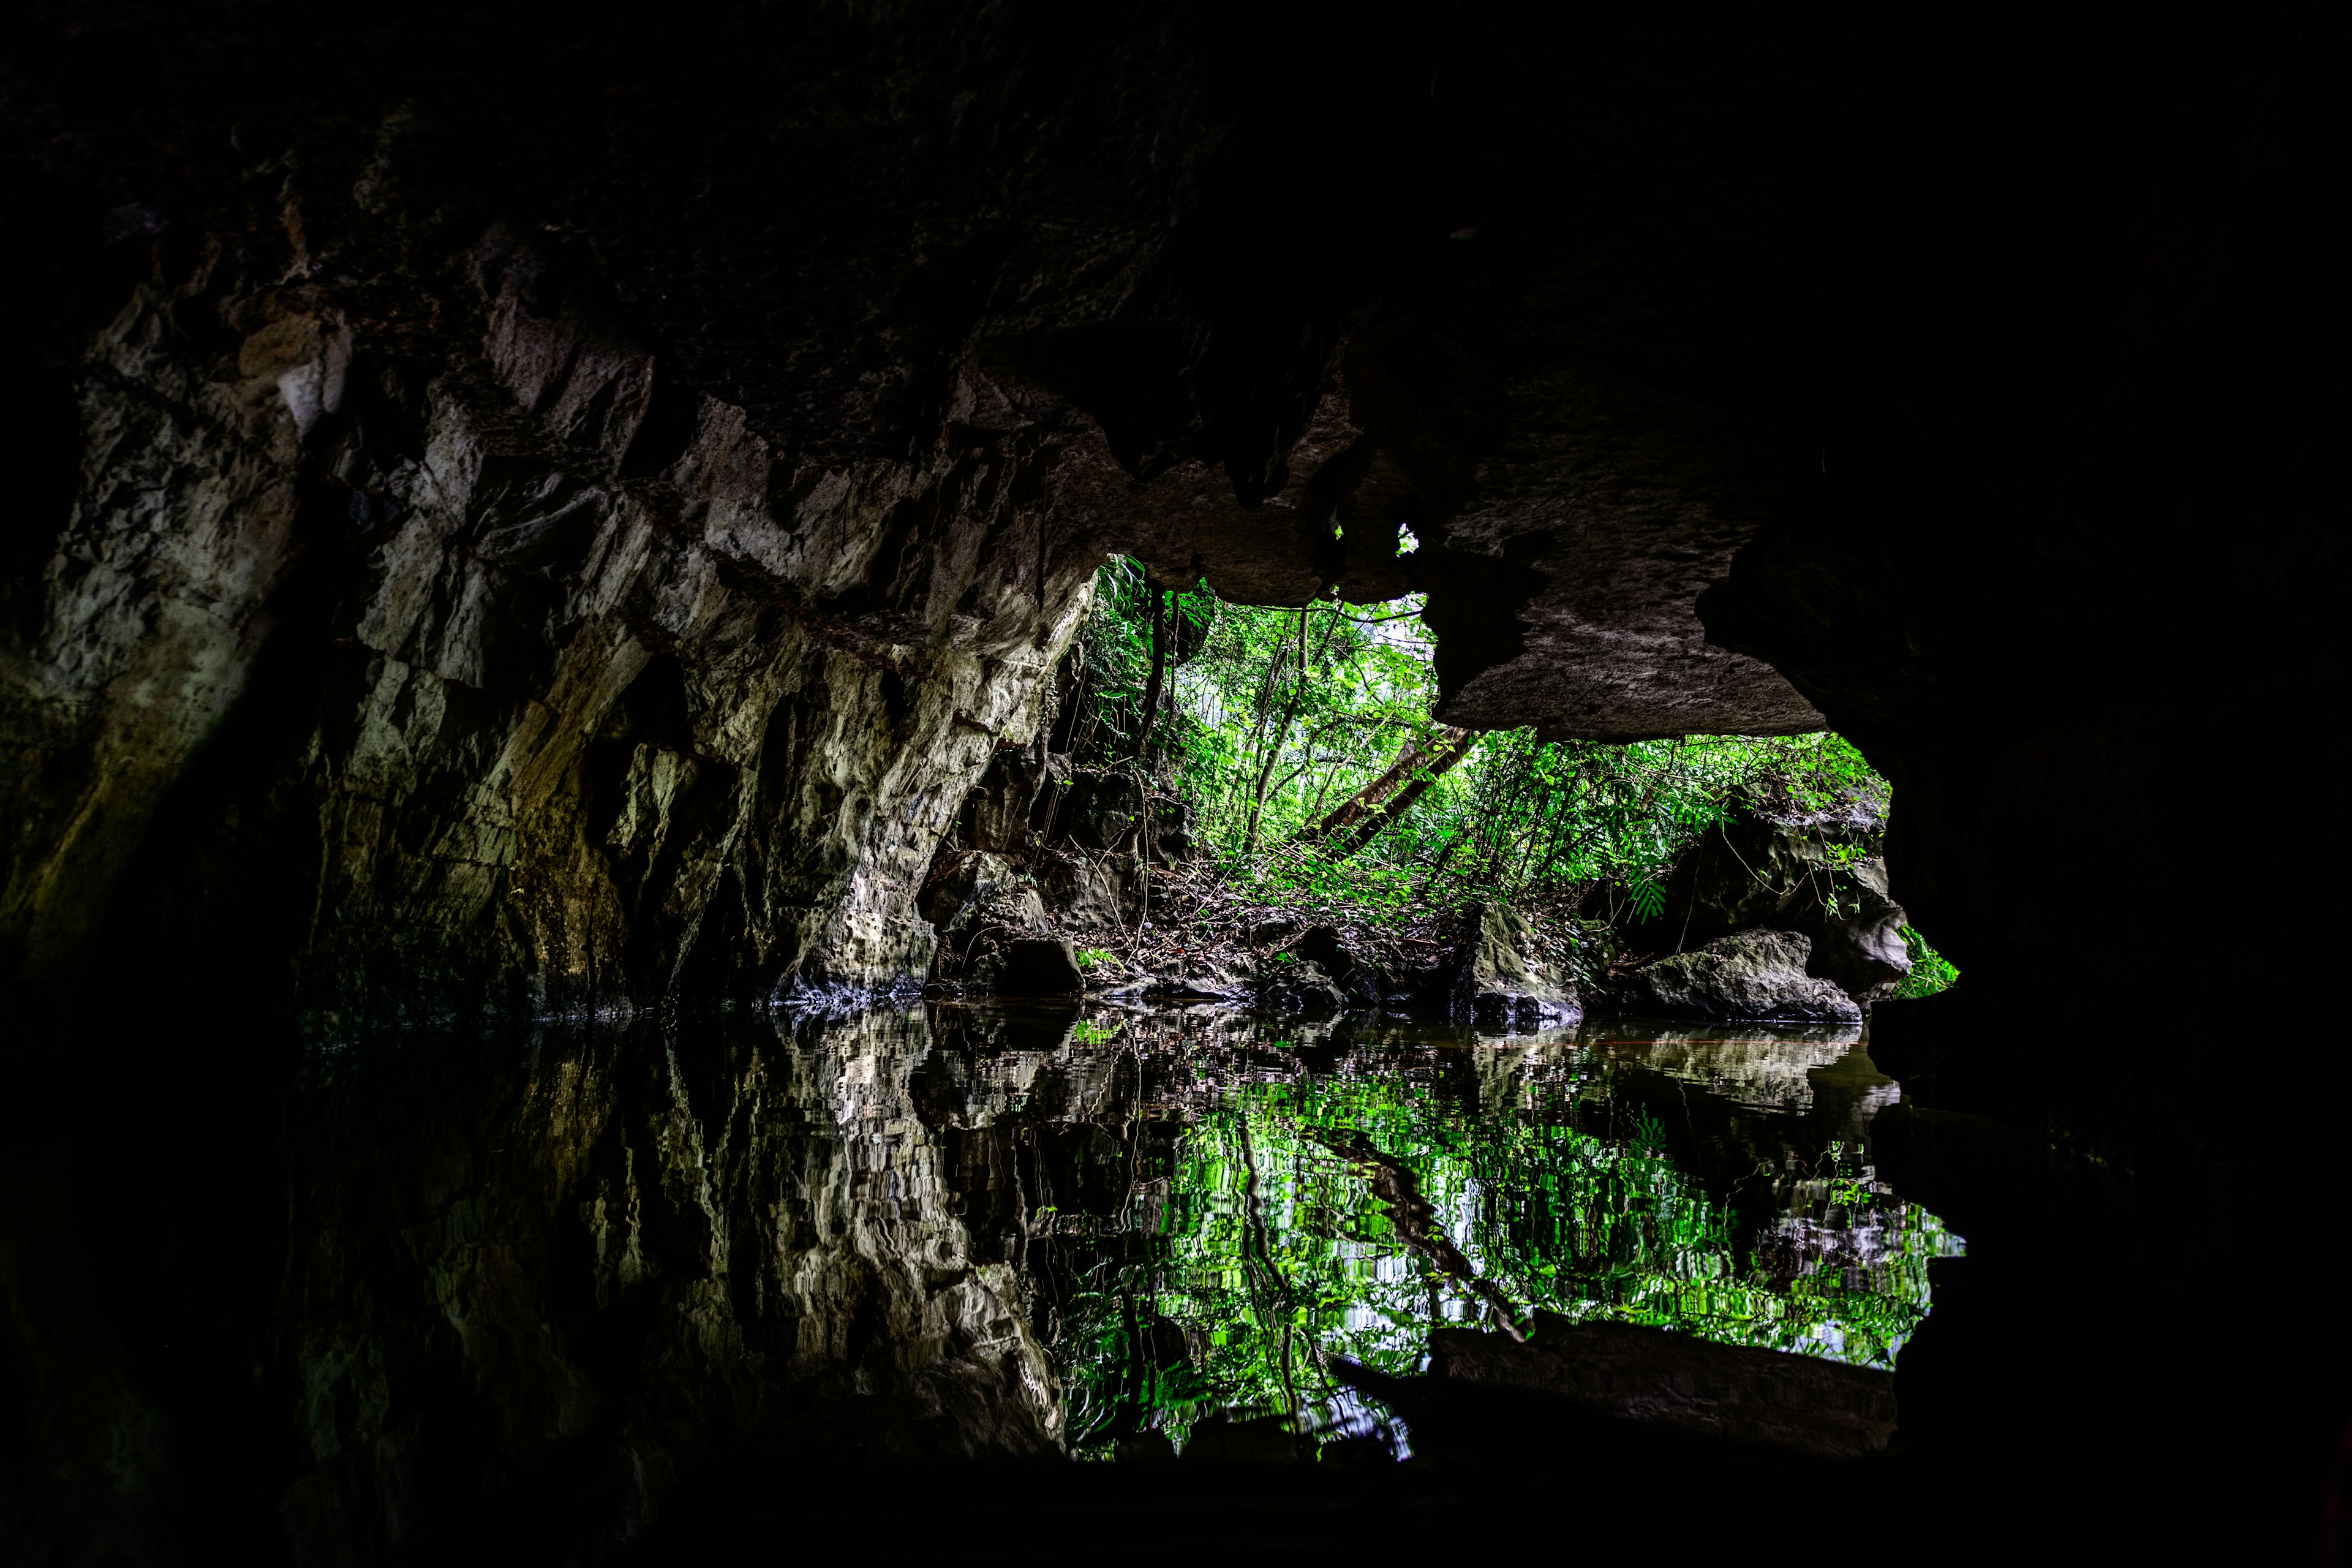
(1242, 325)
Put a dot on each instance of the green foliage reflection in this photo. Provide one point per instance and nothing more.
(1273, 1249)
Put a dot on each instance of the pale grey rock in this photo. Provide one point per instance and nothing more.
(1498, 981)
(970, 887)
(597, 731)
(1091, 892)
(1818, 874)
(1751, 976)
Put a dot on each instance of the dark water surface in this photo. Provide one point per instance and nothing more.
(573, 1267)
(673, 1287)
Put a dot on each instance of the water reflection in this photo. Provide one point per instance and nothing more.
(586, 1261)
(1337, 1191)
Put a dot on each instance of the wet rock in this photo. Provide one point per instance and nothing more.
(1196, 980)
(1359, 983)
(1755, 975)
(1682, 1382)
(1817, 874)
(1495, 980)
(1034, 966)
(1087, 892)
(1303, 988)
(968, 887)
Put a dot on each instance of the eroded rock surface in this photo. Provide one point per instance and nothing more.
(1821, 875)
(541, 705)
(1756, 974)
(1497, 978)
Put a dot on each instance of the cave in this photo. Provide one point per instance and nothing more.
(529, 524)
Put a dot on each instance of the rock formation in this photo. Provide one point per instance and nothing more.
(1819, 875)
(1496, 980)
(553, 508)
(1754, 975)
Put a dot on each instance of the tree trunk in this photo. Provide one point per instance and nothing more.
(1281, 733)
(1158, 671)
(1362, 816)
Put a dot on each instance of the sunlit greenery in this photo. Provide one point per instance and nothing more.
(1272, 720)
(1930, 971)
(1271, 1252)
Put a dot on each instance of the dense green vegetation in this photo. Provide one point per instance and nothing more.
(1304, 744)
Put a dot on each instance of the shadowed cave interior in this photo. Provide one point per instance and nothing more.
(528, 525)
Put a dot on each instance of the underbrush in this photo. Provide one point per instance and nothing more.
(1302, 748)
(1930, 971)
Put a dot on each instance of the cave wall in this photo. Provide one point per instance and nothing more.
(546, 539)
(567, 706)
(554, 507)
(541, 500)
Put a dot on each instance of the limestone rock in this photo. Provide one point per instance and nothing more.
(1098, 809)
(1495, 980)
(1304, 987)
(1751, 976)
(1196, 980)
(1087, 892)
(1818, 874)
(1268, 933)
(968, 887)
(997, 811)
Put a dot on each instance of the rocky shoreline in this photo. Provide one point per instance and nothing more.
(1063, 881)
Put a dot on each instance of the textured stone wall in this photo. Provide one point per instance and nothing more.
(566, 710)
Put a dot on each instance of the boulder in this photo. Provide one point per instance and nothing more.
(1304, 987)
(1682, 1382)
(1089, 892)
(1816, 874)
(1034, 966)
(969, 888)
(1195, 980)
(1362, 983)
(1496, 979)
(1756, 977)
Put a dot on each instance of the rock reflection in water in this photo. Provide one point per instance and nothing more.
(1718, 1185)
(629, 1249)
(1003, 1231)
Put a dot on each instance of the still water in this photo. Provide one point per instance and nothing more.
(611, 1252)
(1287, 1193)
